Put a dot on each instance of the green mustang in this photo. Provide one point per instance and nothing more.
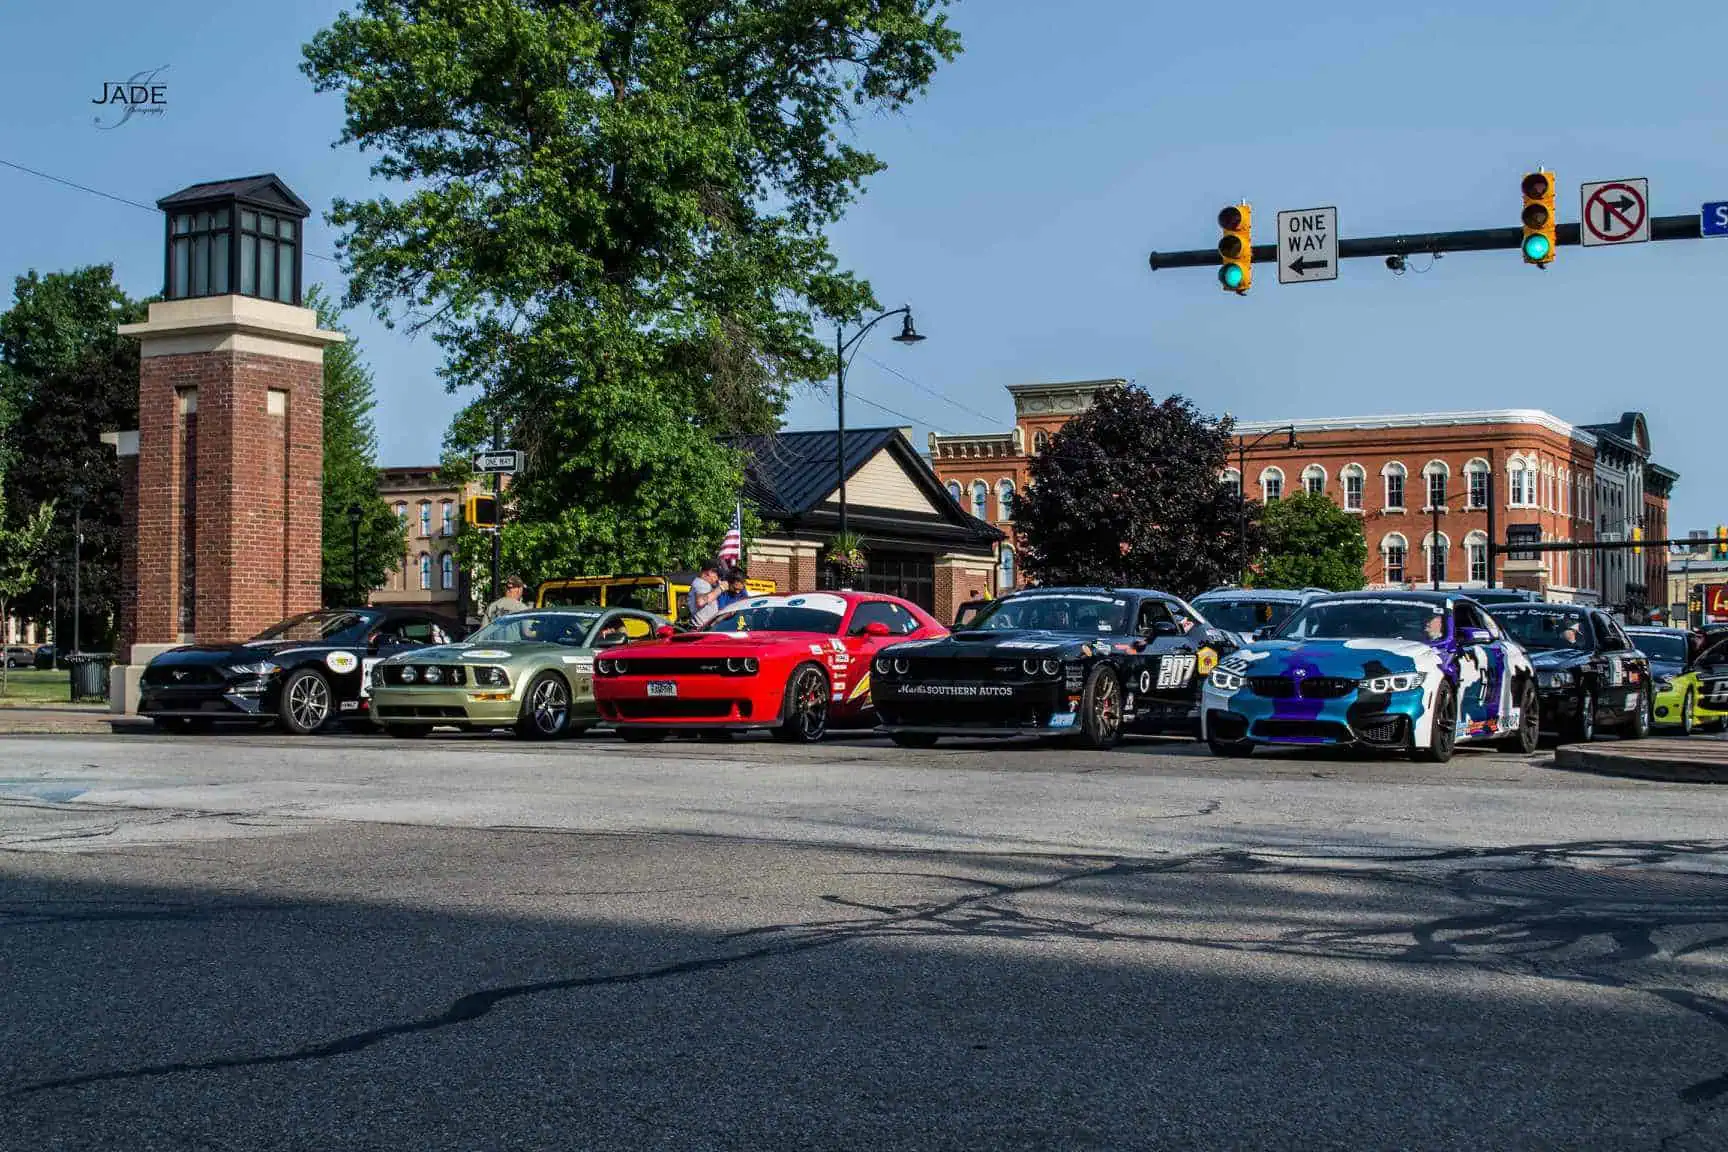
(531, 671)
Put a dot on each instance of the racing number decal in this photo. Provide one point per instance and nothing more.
(1175, 671)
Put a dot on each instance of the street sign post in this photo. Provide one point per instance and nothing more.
(1307, 245)
(1614, 212)
(1713, 219)
(498, 460)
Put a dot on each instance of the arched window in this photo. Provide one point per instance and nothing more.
(980, 499)
(1040, 441)
(425, 517)
(1233, 480)
(1355, 479)
(448, 525)
(426, 571)
(1476, 484)
(447, 572)
(402, 511)
(1393, 550)
(1271, 484)
(1005, 499)
(1436, 549)
(1435, 473)
(1005, 571)
(1394, 474)
(954, 491)
(1314, 480)
(1476, 549)
(1521, 477)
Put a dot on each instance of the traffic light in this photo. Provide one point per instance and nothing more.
(1539, 222)
(1637, 535)
(1720, 552)
(1236, 248)
(483, 511)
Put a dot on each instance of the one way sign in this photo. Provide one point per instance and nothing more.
(1307, 245)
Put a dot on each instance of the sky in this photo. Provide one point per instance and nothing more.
(1026, 188)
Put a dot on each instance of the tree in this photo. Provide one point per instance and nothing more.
(1127, 495)
(1311, 543)
(21, 550)
(615, 231)
(68, 376)
(351, 469)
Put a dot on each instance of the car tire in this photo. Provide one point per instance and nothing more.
(1443, 739)
(1529, 733)
(912, 739)
(306, 703)
(1582, 728)
(1101, 709)
(545, 708)
(642, 735)
(407, 731)
(1688, 714)
(1639, 726)
(804, 710)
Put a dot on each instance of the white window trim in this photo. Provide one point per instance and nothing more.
(1005, 509)
(1429, 471)
(1269, 472)
(1476, 466)
(1390, 469)
(1345, 474)
(1313, 470)
(972, 498)
(1387, 543)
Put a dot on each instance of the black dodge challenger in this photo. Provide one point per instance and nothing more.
(1087, 664)
(300, 674)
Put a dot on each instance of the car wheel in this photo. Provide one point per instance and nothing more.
(306, 704)
(913, 739)
(1582, 730)
(545, 708)
(804, 712)
(642, 735)
(1529, 732)
(1688, 715)
(408, 731)
(1445, 726)
(1101, 709)
(1639, 726)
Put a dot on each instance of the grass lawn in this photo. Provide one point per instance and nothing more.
(44, 687)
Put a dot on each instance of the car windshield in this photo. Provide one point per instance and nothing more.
(1245, 615)
(1388, 619)
(311, 626)
(777, 618)
(1077, 612)
(566, 628)
(1669, 646)
(1545, 629)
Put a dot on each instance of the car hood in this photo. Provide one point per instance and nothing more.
(1665, 667)
(1348, 659)
(1018, 642)
(208, 655)
(1557, 659)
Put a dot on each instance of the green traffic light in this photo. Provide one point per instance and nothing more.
(1230, 276)
(1537, 247)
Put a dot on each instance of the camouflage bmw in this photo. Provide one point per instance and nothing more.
(530, 671)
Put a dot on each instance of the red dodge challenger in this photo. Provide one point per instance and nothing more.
(795, 665)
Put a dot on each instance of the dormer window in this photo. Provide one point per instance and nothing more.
(235, 237)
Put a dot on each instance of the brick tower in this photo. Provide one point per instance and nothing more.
(229, 445)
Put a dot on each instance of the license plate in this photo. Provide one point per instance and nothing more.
(1062, 720)
(662, 688)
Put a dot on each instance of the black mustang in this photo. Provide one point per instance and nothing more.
(301, 674)
(1589, 673)
(1082, 663)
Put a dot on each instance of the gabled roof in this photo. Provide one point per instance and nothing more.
(1630, 430)
(265, 190)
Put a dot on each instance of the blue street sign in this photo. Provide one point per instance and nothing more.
(1713, 219)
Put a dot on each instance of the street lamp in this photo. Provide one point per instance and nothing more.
(77, 494)
(1243, 447)
(54, 648)
(908, 335)
(355, 515)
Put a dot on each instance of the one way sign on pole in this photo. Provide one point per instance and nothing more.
(1307, 245)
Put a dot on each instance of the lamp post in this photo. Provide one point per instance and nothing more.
(77, 494)
(355, 515)
(908, 335)
(1436, 558)
(1243, 447)
(54, 648)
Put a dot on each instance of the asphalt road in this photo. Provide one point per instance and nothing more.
(261, 943)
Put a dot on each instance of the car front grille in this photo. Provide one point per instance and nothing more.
(420, 712)
(1308, 688)
(667, 709)
(183, 675)
(1312, 731)
(1388, 730)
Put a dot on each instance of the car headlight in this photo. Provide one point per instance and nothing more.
(1050, 667)
(883, 665)
(603, 666)
(408, 675)
(1556, 679)
(261, 668)
(492, 677)
(377, 676)
(434, 675)
(1029, 666)
(1401, 682)
(1225, 681)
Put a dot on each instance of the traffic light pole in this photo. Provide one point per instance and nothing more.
(498, 496)
(1429, 243)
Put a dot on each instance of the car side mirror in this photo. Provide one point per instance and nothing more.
(665, 632)
(877, 628)
(1471, 637)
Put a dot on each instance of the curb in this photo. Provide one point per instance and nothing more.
(1672, 769)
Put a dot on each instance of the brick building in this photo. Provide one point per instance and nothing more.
(431, 511)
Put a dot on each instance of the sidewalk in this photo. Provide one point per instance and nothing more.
(40, 719)
(1699, 760)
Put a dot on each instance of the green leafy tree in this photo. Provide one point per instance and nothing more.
(351, 469)
(615, 230)
(23, 544)
(1127, 495)
(66, 377)
(1311, 543)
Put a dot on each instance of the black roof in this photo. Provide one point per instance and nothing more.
(265, 190)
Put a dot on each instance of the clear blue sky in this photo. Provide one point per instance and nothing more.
(1025, 191)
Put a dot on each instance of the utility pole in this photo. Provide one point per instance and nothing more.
(77, 559)
(498, 498)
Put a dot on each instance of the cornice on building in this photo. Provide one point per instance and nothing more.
(1532, 416)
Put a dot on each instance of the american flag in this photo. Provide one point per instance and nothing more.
(732, 548)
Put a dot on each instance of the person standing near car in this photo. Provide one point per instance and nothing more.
(735, 590)
(703, 600)
(510, 602)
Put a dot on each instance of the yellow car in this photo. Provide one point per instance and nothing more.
(1681, 698)
(661, 595)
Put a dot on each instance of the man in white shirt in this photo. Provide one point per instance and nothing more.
(704, 599)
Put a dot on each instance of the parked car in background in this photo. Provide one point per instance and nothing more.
(1415, 672)
(45, 656)
(1590, 675)
(1248, 613)
(300, 675)
(20, 656)
(1671, 652)
(1085, 664)
(794, 666)
(1490, 597)
(531, 671)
